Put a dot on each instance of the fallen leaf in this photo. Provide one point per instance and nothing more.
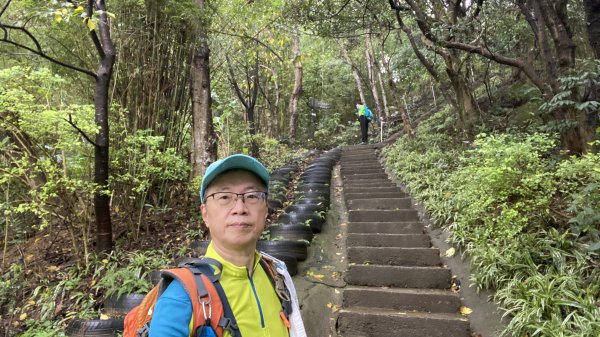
(344, 224)
(52, 268)
(337, 291)
(104, 317)
(333, 307)
(450, 252)
(92, 283)
(465, 311)
(29, 258)
(23, 316)
(105, 261)
(319, 276)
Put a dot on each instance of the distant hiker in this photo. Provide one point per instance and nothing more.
(364, 117)
(262, 301)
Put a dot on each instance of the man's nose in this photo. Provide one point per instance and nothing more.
(239, 205)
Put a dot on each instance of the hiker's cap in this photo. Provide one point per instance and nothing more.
(233, 162)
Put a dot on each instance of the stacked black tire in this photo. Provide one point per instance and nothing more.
(279, 181)
(116, 307)
(293, 231)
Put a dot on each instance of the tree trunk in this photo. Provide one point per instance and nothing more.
(386, 111)
(104, 242)
(204, 146)
(394, 92)
(297, 91)
(592, 14)
(468, 109)
(430, 67)
(357, 79)
(372, 77)
(248, 99)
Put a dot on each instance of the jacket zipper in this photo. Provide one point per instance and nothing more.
(262, 319)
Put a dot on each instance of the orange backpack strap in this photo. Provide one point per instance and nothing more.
(201, 282)
(137, 320)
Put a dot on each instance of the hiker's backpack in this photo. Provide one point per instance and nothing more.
(209, 303)
(368, 113)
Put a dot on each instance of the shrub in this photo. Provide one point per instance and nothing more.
(580, 182)
(503, 188)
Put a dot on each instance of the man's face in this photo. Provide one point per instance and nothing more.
(238, 226)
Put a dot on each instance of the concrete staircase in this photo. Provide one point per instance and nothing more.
(397, 285)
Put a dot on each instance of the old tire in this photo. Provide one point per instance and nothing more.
(120, 305)
(298, 249)
(97, 328)
(293, 232)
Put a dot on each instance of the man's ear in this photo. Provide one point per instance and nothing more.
(204, 214)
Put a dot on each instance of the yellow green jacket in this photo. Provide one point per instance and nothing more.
(253, 301)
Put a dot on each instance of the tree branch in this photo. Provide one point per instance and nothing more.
(5, 7)
(83, 134)
(237, 89)
(514, 62)
(253, 39)
(49, 58)
(89, 11)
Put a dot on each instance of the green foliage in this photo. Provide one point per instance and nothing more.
(331, 132)
(500, 199)
(572, 88)
(275, 154)
(127, 273)
(42, 163)
(579, 179)
(425, 164)
(505, 176)
(140, 169)
(12, 283)
(548, 289)
(233, 137)
(42, 329)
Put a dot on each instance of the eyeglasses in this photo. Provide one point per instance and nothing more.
(228, 199)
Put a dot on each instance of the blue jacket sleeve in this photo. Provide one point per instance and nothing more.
(172, 313)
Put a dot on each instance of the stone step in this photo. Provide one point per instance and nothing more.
(362, 176)
(383, 215)
(385, 183)
(388, 240)
(361, 189)
(382, 203)
(396, 227)
(425, 300)
(395, 256)
(366, 322)
(358, 153)
(359, 157)
(360, 165)
(373, 195)
(348, 172)
(399, 276)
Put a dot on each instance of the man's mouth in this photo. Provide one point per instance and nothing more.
(240, 224)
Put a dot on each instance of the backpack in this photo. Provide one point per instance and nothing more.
(368, 113)
(211, 307)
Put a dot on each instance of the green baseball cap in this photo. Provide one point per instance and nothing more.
(233, 162)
